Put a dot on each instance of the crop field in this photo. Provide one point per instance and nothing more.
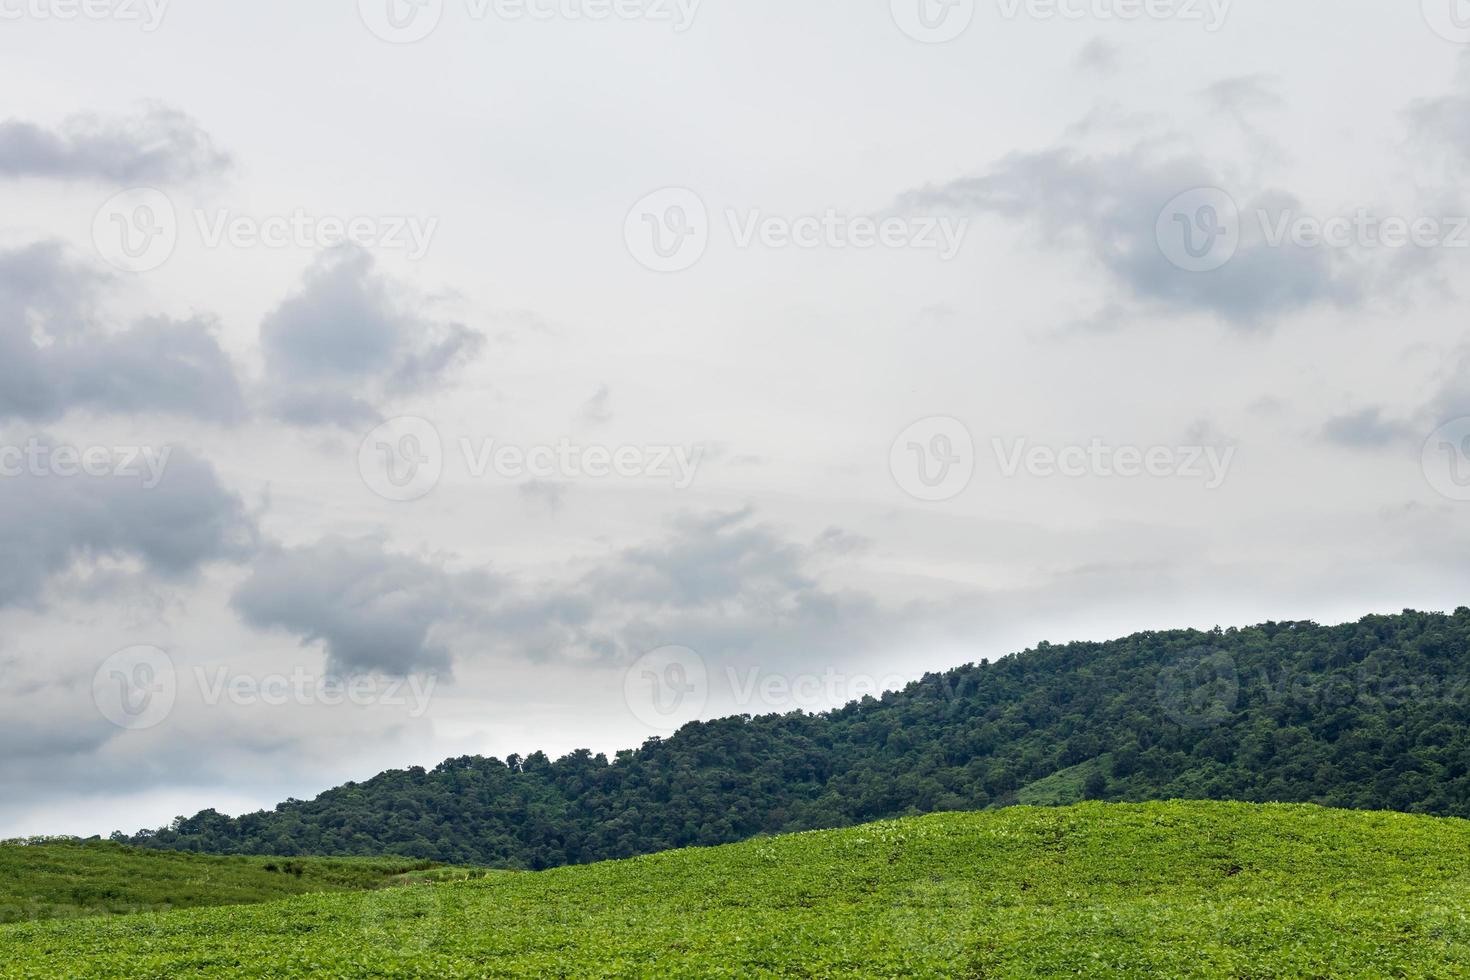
(72, 879)
(1168, 889)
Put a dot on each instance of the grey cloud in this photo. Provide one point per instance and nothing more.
(1367, 428)
(724, 584)
(347, 341)
(372, 611)
(55, 357)
(1242, 93)
(159, 145)
(1445, 120)
(709, 559)
(1098, 56)
(53, 522)
(836, 541)
(1371, 428)
(1108, 205)
(546, 494)
(595, 410)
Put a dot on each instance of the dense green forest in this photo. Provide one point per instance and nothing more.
(1369, 715)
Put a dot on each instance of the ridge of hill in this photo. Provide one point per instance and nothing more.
(1367, 715)
(1184, 889)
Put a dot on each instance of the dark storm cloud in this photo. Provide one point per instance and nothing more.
(158, 146)
(349, 340)
(372, 611)
(56, 356)
(166, 510)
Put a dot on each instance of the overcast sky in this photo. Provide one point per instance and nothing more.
(689, 358)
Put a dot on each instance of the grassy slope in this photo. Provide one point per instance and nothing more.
(1178, 889)
(68, 880)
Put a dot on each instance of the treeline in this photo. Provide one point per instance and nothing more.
(1370, 715)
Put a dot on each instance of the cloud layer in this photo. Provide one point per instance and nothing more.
(160, 145)
(350, 340)
(57, 356)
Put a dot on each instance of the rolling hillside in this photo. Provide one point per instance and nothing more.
(1368, 715)
(70, 879)
(1159, 889)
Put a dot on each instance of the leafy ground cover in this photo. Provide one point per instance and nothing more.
(1158, 889)
(71, 879)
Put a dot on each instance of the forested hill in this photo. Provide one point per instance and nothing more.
(1371, 715)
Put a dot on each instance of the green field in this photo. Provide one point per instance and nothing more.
(71, 879)
(1168, 889)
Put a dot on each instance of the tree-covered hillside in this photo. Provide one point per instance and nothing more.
(1370, 715)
